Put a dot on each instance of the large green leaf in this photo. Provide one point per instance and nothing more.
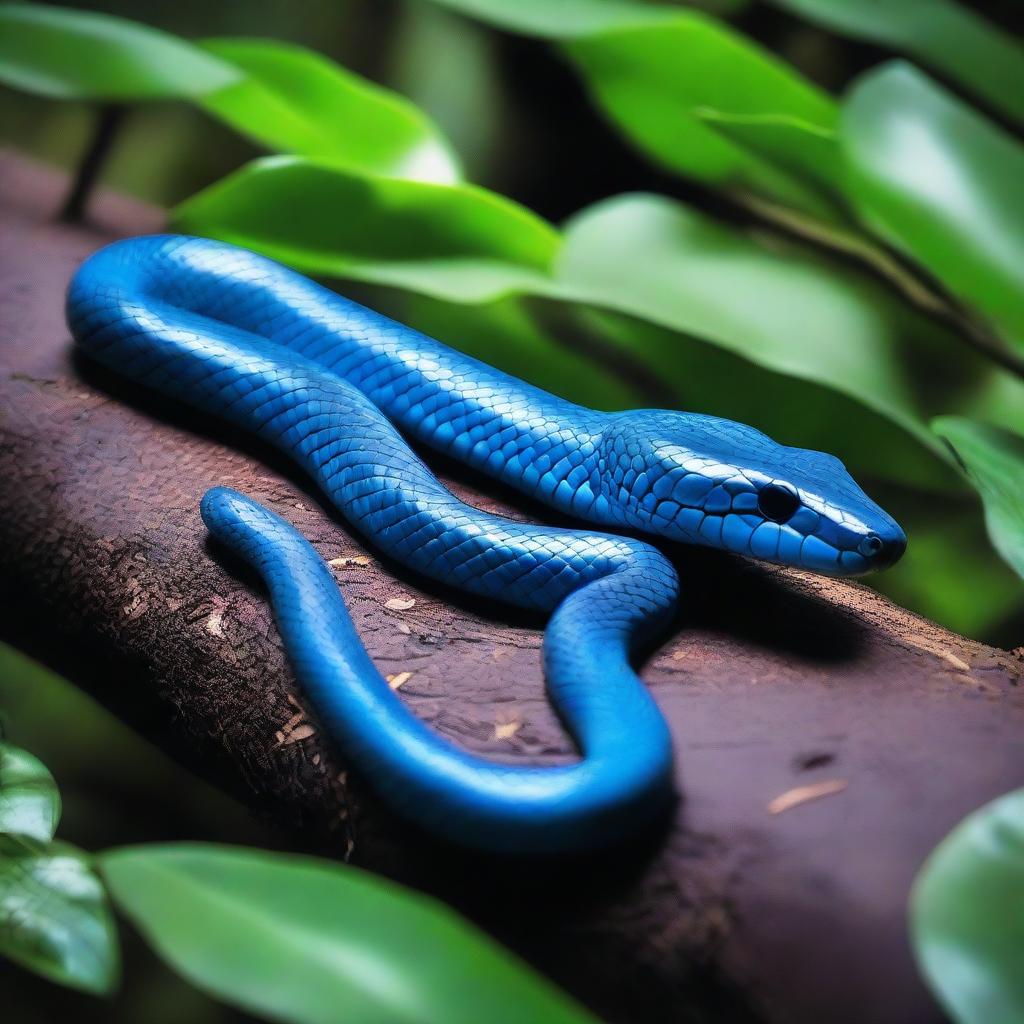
(654, 82)
(563, 18)
(653, 68)
(654, 258)
(457, 242)
(809, 150)
(310, 941)
(949, 36)
(68, 54)
(29, 798)
(54, 915)
(282, 95)
(967, 915)
(950, 573)
(297, 101)
(993, 459)
(941, 184)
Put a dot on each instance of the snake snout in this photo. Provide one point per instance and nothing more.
(885, 551)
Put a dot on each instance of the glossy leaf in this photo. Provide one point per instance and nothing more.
(314, 942)
(654, 81)
(69, 54)
(29, 798)
(941, 184)
(967, 915)
(457, 242)
(297, 101)
(564, 18)
(993, 460)
(949, 36)
(654, 258)
(652, 68)
(807, 149)
(950, 573)
(54, 915)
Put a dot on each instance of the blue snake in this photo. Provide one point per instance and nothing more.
(331, 383)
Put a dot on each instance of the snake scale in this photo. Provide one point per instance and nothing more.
(331, 383)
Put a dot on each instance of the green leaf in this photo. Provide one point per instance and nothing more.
(456, 242)
(949, 36)
(654, 81)
(651, 69)
(654, 258)
(68, 54)
(807, 149)
(54, 915)
(29, 798)
(310, 941)
(942, 185)
(967, 915)
(993, 460)
(950, 573)
(563, 19)
(295, 100)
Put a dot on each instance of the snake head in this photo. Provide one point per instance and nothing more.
(710, 481)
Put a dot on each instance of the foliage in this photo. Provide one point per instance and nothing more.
(68, 54)
(949, 37)
(301, 939)
(29, 800)
(294, 101)
(941, 185)
(54, 915)
(967, 915)
(369, 190)
(994, 460)
(288, 938)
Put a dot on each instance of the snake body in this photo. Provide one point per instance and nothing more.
(328, 382)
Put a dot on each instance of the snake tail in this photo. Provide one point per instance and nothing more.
(623, 780)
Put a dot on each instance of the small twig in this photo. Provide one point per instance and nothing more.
(925, 293)
(108, 121)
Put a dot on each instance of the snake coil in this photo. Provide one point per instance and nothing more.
(329, 383)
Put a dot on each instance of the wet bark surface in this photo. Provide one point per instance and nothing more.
(741, 907)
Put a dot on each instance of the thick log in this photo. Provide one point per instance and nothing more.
(772, 680)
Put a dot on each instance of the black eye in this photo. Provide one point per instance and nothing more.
(777, 502)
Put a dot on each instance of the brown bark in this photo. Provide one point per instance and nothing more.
(773, 679)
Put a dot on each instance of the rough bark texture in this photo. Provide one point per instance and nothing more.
(772, 680)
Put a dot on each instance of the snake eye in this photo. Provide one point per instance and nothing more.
(777, 502)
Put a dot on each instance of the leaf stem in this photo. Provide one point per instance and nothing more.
(927, 295)
(108, 121)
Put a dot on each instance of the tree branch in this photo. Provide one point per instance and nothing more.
(742, 908)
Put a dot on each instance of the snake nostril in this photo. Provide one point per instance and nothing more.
(871, 545)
